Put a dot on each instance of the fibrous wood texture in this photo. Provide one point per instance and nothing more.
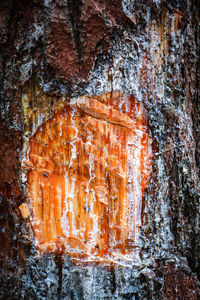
(89, 166)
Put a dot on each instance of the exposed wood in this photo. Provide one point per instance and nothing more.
(90, 164)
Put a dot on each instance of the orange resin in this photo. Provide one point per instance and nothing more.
(89, 166)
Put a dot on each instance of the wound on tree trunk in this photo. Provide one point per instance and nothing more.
(89, 165)
(99, 149)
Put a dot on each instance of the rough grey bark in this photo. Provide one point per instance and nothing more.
(77, 48)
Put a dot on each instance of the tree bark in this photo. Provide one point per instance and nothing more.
(55, 51)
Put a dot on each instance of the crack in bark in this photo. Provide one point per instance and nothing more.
(74, 9)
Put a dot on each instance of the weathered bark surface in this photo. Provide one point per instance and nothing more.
(147, 50)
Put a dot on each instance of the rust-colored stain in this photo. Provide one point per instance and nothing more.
(94, 21)
(89, 166)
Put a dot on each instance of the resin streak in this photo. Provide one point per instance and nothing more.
(90, 164)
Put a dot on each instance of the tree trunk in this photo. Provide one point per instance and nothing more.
(99, 135)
